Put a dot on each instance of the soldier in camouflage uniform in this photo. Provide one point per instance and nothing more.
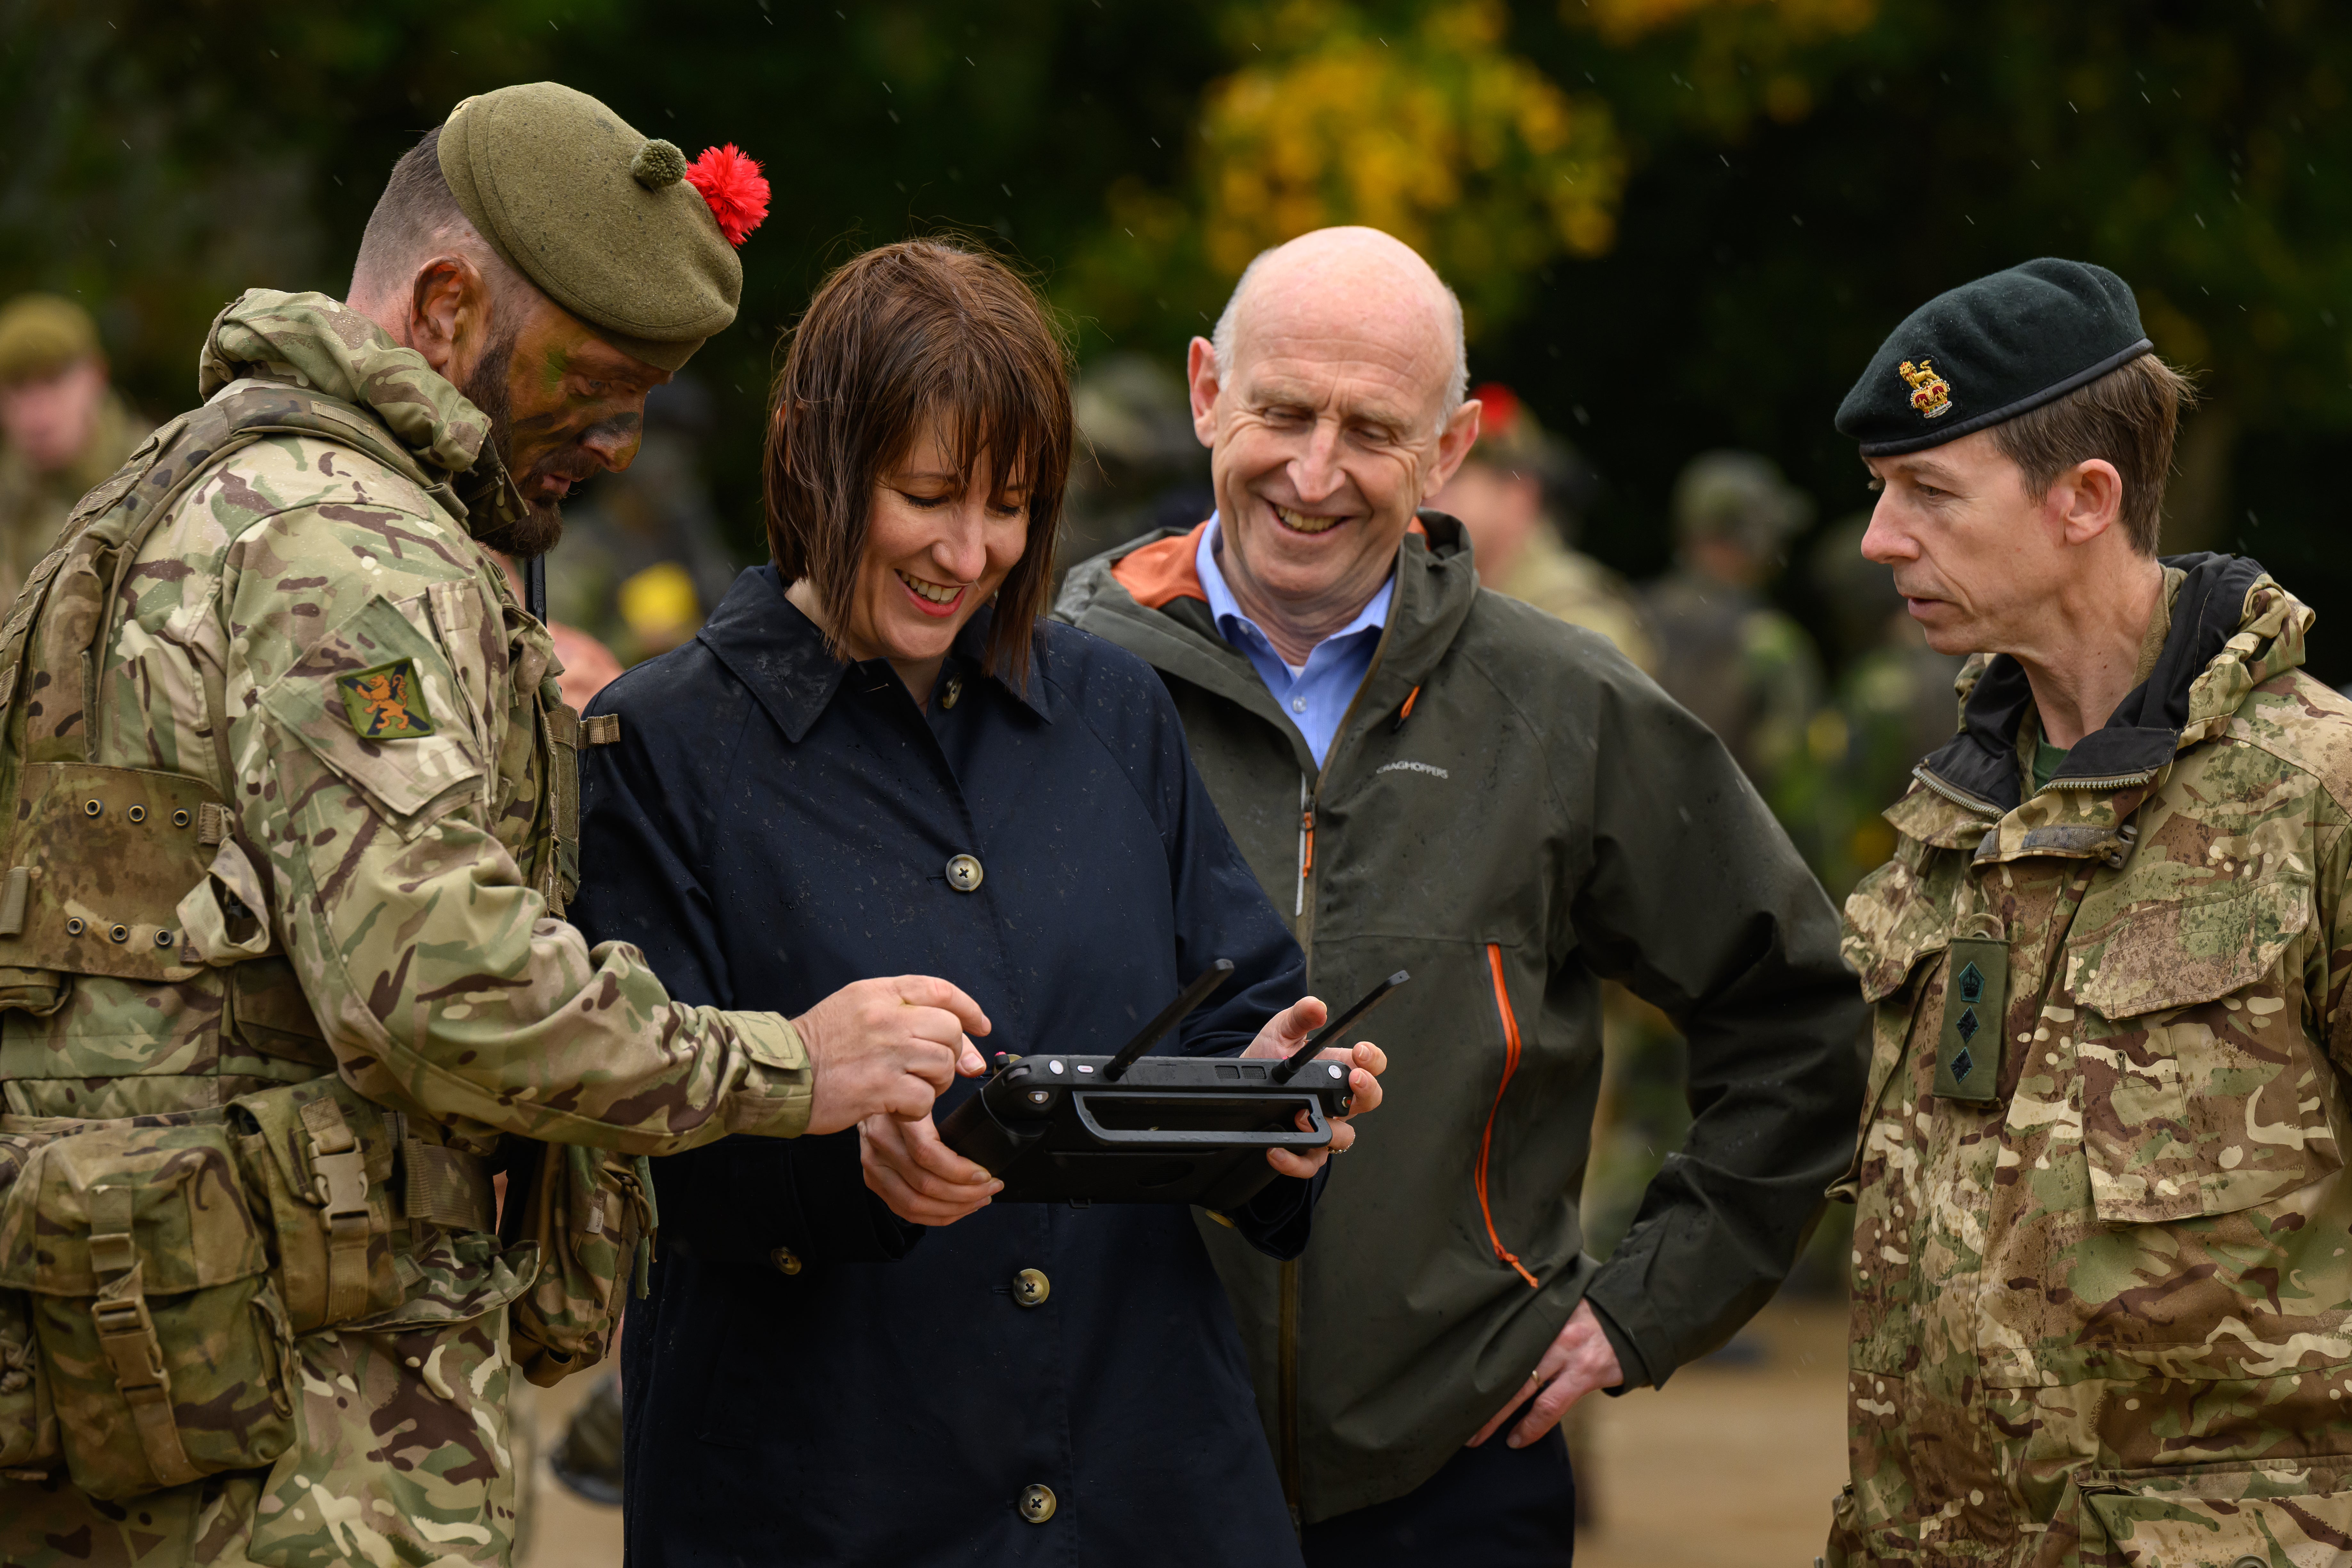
(1894, 704)
(1519, 494)
(281, 960)
(1748, 671)
(2100, 1275)
(62, 427)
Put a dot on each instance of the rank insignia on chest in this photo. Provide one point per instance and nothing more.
(1976, 994)
(1931, 394)
(385, 703)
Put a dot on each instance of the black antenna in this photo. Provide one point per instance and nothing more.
(1169, 1017)
(1290, 1065)
(534, 587)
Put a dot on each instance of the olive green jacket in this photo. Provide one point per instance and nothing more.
(1510, 811)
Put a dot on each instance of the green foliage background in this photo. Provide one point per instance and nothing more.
(1792, 187)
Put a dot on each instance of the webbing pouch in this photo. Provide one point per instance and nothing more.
(28, 1419)
(320, 1160)
(160, 1339)
(109, 854)
(592, 1213)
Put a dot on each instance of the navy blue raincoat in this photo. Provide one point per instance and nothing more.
(772, 825)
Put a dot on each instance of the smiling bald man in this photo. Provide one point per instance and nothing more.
(1427, 775)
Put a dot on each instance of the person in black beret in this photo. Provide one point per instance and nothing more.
(2099, 1276)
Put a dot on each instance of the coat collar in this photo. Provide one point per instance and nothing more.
(1141, 608)
(777, 652)
(2144, 731)
(2232, 628)
(314, 341)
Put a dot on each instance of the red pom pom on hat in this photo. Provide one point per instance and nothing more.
(734, 185)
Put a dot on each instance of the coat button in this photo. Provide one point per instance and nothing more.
(953, 692)
(1037, 1503)
(965, 873)
(2250, 1562)
(1030, 1287)
(786, 1260)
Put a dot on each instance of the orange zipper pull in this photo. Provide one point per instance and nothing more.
(1405, 712)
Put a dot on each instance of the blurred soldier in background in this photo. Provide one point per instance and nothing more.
(1140, 467)
(1895, 704)
(1747, 670)
(643, 556)
(1751, 674)
(1521, 494)
(62, 428)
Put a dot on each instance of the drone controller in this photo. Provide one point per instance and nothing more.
(1138, 1129)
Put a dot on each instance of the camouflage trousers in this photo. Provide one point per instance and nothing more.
(2104, 1473)
(403, 1457)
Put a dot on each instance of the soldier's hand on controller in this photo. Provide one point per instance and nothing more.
(1285, 1032)
(888, 1046)
(922, 1180)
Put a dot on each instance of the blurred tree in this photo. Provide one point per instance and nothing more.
(1761, 188)
(1439, 135)
(1805, 173)
(168, 153)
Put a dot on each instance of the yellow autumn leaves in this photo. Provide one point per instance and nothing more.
(1440, 137)
(1429, 127)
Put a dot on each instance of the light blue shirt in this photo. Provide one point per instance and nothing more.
(1316, 695)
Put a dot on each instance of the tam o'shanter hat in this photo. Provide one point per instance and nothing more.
(611, 225)
(1989, 350)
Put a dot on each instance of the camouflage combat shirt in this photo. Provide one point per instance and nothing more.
(408, 881)
(34, 505)
(2100, 1302)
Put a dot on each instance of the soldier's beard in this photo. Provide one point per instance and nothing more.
(541, 522)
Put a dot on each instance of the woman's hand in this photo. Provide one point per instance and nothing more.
(922, 1180)
(888, 1046)
(1285, 1032)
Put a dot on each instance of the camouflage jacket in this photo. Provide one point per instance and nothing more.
(2100, 1281)
(34, 506)
(310, 635)
(1748, 672)
(1580, 591)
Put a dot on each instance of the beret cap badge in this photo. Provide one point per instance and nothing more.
(1931, 394)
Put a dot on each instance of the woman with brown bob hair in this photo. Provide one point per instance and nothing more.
(875, 761)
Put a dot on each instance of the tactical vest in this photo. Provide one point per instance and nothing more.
(171, 1260)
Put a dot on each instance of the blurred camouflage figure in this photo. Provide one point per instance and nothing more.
(643, 559)
(1521, 493)
(1143, 468)
(62, 427)
(292, 829)
(2102, 1307)
(1895, 704)
(1748, 671)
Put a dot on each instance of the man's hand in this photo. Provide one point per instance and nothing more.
(888, 1046)
(922, 1180)
(1285, 1032)
(1579, 1361)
